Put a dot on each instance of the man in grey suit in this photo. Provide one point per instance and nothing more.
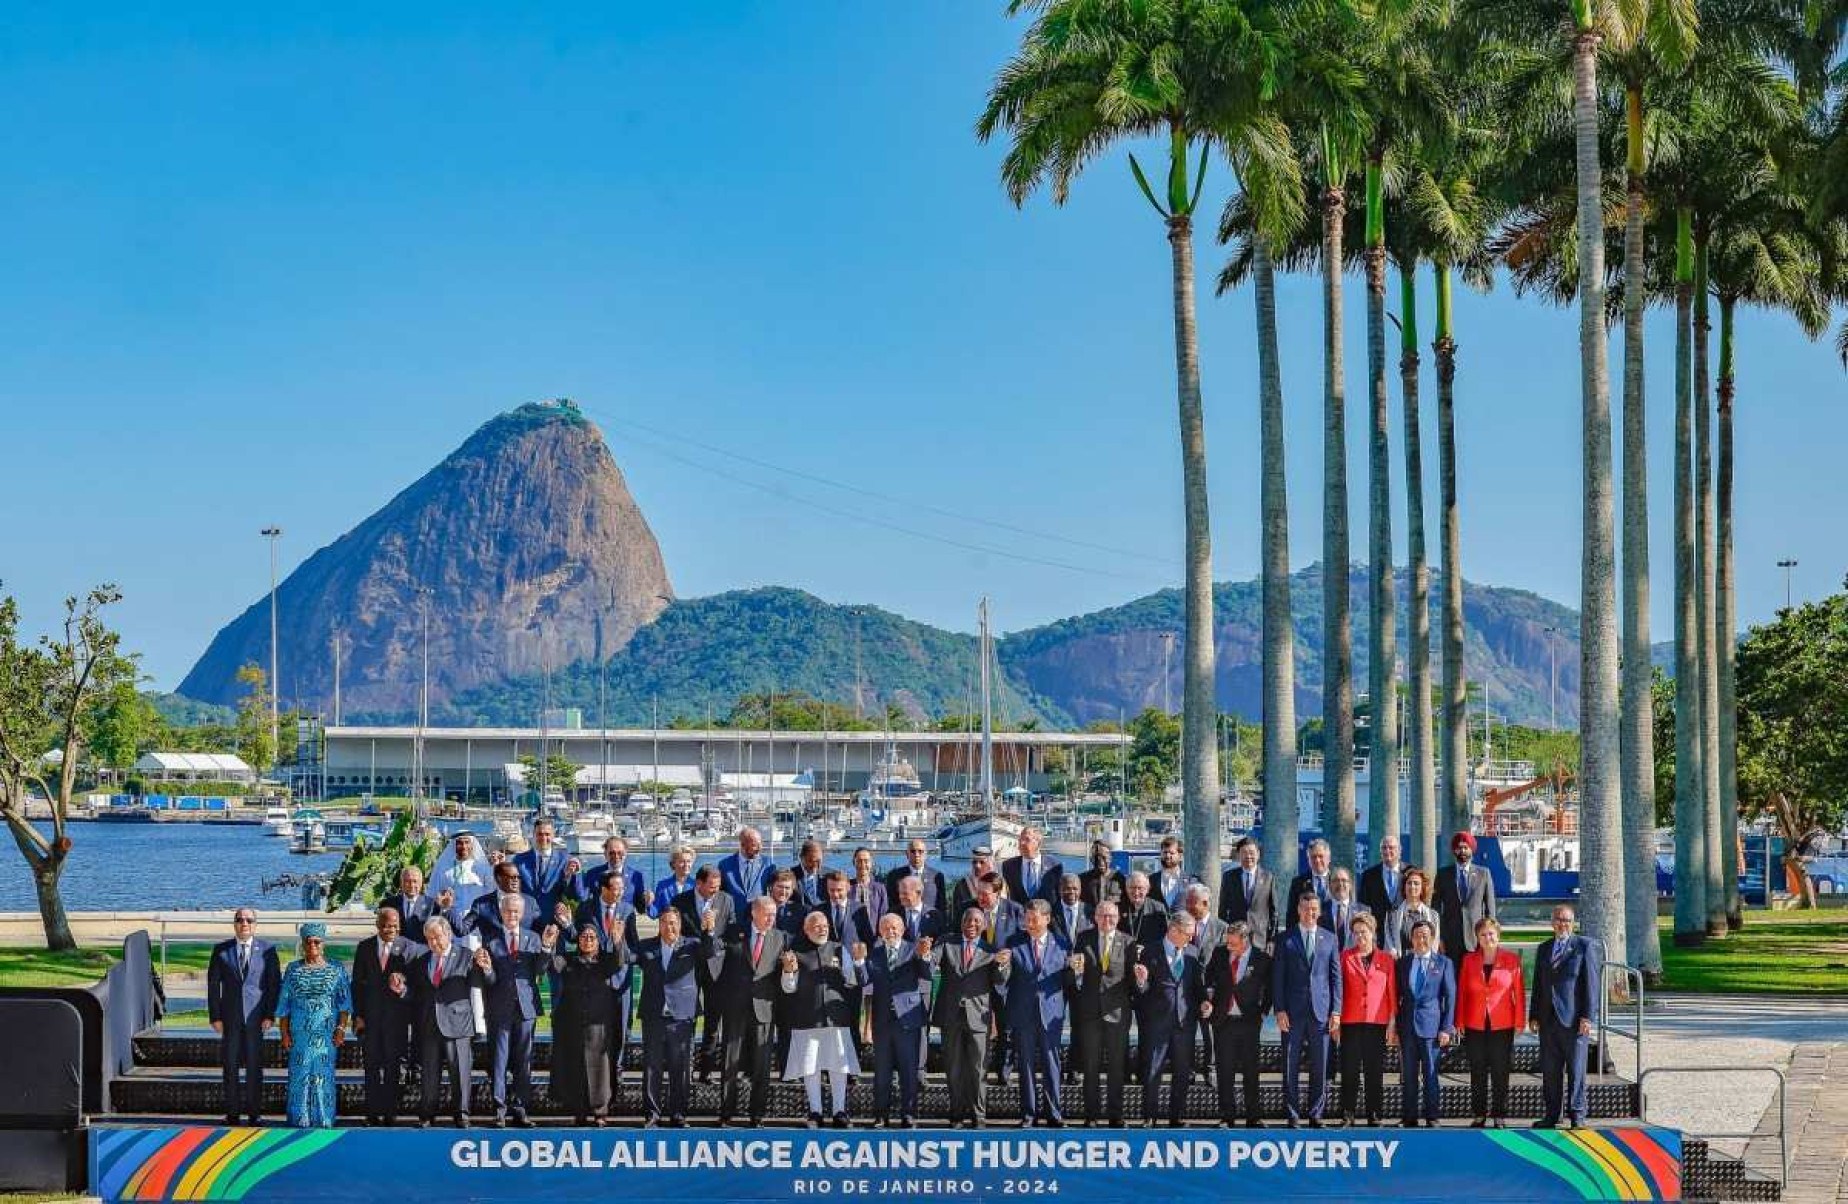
(1247, 892)
(1465, 894)
(243, 982)
(512, 961)
(441, 979)
(964, 1012)
(1101, 1009)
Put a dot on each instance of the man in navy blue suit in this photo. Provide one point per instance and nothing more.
(1071, 919)
(484, 914)
(1564, 1009)
(511, 961)
(1032, 875)
(1427, 1016)
(615, 864)
(412, 905)
(936, 892)
(1038, 970)
(670, 1004)
(1306, 995)
(1170, 992)
(547, 872)
(747, 873)
(243, 981)
(898, 1003)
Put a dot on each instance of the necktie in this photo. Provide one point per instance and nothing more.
(840, 921)
(1071, 919)
(891, 957)
(1559, 953)
(1309, 946)
(1103, 954)
(911, 925)
(757, 947)
(1321, 887)
(1248, 886)
(1392, 883)
(243, 960)
(384, 954)
(968, 956)
(436, 978)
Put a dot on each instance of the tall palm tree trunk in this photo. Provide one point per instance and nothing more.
(1383, 781)
(1337, 817)
(1456, 697)
(1706, 634)
(1728, 619)
(1199, 714)
(1280, 804)
(1600, 801)
(1638, 702)
(1422, 801)
(1690, 806)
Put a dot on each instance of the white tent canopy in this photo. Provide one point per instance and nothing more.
(181, 767)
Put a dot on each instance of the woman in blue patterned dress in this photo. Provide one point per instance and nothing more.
(312, 1014)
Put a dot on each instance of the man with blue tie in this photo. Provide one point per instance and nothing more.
(1465, 894)
(1032, 874)
(1339, 908)
(670, 1004)
(1427, 1016)
(243, 983)
(615, 864)
(747, 872)
(1171, 993)
(1039, 971)
(1306, 994)
(1315, 882)
(1245, 893)
(919, 921)
(1566, 994)
(1379, 884)
(1071, 919)
(510, 962)
(547, 872)
(898, 1003)
(411, 904)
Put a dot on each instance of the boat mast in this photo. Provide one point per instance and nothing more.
(988, 733)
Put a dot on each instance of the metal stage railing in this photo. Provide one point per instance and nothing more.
(1633, 979)
(1783, 1146)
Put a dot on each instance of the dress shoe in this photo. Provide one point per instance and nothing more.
(598, 1122)
(1479, 1123)
(1315, 1122)
(1290, 1123)
(500, 1122)
(254, 1121)
(1149, 1123)
(651, 1123)
(1572, 1123)
(907, 1122)
(1546, 1124)
(1498, 1123)
(1055, 1123)
(1028, 1123)
(520, 1121)
(1175, 1124)
(423, 1122)
(231, 1120)
(814, 1120)
(679, 1122)
(1254, 1124)
(1347, 1120)
(462, 1121)
(755, 1122)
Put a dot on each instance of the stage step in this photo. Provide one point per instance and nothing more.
(1706, 1175)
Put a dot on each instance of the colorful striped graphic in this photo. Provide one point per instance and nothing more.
(197, 1163)
(1612, 1164)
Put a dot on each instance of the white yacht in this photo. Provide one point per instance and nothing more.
(276, 821)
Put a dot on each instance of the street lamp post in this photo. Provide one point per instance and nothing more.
(273, 534)
(1787, 565)
(1552, 654)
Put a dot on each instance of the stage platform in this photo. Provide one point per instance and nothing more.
(161, 1162)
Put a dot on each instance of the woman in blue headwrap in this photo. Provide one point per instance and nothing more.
(312, 1014)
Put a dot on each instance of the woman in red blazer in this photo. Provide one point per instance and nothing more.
(1491, 1009)
(1369, 1002)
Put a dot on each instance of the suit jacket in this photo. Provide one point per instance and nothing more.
(1305, 986)
(1252, 993)
(1304, 884)
(936, 892)
(822, 998)
(1209, 935)
(790, 915)
(1166, 1002)
(869, 897)
(858, 926)
(1006, 920)
(896, 993)
(1257, 910)
(1373, 893)
(1500, 1001)
(1068, 931)
(809, 889)
(446, 1004)
(724, 912)
(1338, 916)
(1458, 911)
(414, 910)
(1099, 886)
(965, 997)
(1173, 892)
(1035, 995)
(544, 877)
(1146, 924)
(373, 999)
(672, 991)
(670, 888)
(590, 881)
(590, 912)
(1426, 1013)
(1099, 995)
(743, 886)
(1013, 873)
(518, 962)
(483, 916)
(237, 998)
(743, 989)
(1569, 992)
(1370, 988)
(929, 923)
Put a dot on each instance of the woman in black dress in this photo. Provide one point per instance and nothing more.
(585, 1026)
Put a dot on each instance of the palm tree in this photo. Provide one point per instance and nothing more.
(1337, 819)
(1088, 75)
(1690, 804)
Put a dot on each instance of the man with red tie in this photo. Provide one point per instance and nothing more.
(745, 987)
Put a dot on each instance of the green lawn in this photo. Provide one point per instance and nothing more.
(1776, 953)
(29, 967)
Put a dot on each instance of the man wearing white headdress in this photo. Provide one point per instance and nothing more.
(463, 871)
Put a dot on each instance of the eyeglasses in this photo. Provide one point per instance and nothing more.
(244, 919)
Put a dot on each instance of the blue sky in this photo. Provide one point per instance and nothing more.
(269, 266)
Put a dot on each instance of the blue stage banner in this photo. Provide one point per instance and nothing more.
(159, 1163)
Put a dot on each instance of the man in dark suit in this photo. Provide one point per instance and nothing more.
(1102, 881)
(1567, 993)
(1465, 894)
(1209, 929)
(614, 919)
(707, 896)
(1100, 1008)
(962, 894)
(1238, 984)
(412, 905)
(746, 991)
(867, 892)
(382, 1012)
(1001, 919)
(1071, 919)
(243, 981)
(1247, 892)
(1038, 969)
(1170, 881)
(810, 868)
(441, 977)
(846, 923)
(511, 961)
(547, 872)
(1315, 882)
(920, 920)
(615, 864)
(1339, 910)
(1169, 991)
(483, 916)
(670, 1004)
(790, 911)
(1306, 993)
(747, 873)
(963, 1014)
(1032, 874)
(897, 996)
(1145, 920)
(1379, 884)
(1427, 1016)
(935, 892)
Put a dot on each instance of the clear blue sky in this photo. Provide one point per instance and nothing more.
(269, 267)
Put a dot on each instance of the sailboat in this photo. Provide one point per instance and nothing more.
(983, 829)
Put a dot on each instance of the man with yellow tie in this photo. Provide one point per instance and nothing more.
(1099, 997)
